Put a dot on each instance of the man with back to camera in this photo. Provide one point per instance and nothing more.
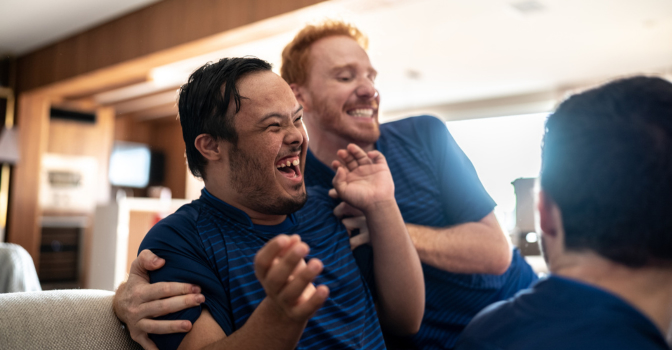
(244, 135)
(606, 229)
(467, 261)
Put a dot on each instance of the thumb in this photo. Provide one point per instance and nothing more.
(146, 261)
(339, 180)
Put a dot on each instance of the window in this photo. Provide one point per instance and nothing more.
(502, 149)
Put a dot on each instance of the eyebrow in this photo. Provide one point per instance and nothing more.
(279, 115)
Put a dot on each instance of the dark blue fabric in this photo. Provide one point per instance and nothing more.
(558, 314)
(436, 185)
(212, 244)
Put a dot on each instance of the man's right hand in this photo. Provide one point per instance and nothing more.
(287, 279)
(136, 301)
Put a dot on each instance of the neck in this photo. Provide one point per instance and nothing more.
(234, 200)
(324, 144)
(645, 288)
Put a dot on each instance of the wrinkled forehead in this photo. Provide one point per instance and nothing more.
(264, 92)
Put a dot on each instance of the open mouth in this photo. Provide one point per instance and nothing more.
(289, 167)
(361, 112)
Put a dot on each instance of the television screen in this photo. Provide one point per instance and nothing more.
(129, 165)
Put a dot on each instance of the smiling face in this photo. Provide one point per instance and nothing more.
(266, 164)
(339, 95)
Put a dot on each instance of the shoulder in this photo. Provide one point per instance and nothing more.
(424, 131)
(176, 229)
(420, 121)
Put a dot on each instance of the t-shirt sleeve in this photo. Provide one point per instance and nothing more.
(463, 196)
(176, 240)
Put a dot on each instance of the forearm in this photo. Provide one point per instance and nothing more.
(399, 278)
(474, 247)
(265, 329)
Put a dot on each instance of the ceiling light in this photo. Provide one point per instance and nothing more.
(528, 7)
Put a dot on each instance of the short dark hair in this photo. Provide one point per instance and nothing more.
(607, 163)
(202, 105)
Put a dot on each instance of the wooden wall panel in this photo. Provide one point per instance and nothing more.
(33, 123)
(160, 26)
(167, 137)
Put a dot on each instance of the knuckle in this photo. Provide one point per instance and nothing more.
(133, 311)
(165, 289)
(163, 307)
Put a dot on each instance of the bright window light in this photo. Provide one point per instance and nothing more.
(502, 149)
(129, 165)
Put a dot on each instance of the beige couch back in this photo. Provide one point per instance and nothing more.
(61, 319)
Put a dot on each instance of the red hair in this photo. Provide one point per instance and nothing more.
(295, 63)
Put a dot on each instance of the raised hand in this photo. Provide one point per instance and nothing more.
(362, 179)
(287, 278)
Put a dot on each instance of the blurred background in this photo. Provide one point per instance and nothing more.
(92, 153)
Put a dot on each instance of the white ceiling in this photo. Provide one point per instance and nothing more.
(439, 52)
(436, 52)
(28, 24)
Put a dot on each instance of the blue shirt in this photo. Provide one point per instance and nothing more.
(559, 314)
(212, 244)
(436, 185)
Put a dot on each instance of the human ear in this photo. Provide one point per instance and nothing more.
(300, 94)
(208, 147)
(547, 220)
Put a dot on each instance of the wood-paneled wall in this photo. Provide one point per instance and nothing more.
(22, 226)
(161, 26)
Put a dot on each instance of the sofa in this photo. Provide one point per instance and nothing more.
(61, 319)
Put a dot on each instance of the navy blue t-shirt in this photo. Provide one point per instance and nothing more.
(559, 314)
(212, 244)
(436, 185)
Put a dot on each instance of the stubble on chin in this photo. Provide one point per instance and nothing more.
(247, 179)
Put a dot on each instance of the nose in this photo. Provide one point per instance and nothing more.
(295, 136)
(366, 90)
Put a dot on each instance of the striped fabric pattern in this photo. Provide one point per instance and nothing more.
(436, 185)
(346, 321)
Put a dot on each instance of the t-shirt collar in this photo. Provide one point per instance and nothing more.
(241, 217)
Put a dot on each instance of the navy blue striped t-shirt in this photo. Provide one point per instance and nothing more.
(559, 313)
(436, 185)
(212, 244)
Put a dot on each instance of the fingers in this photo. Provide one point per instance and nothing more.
(147, 261)
(308, 308)
(163, 327)
(144, 341)
(335, 165)
(355, 223)
(338, 182)
(362, 238)
(358, 153)
(345, 209)
(162, 290)
(278, 274)
(349, 159)
(264, 258)
(294, 290)
(377, 157)
(163, 307)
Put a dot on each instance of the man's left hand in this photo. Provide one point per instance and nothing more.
(362, 179)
